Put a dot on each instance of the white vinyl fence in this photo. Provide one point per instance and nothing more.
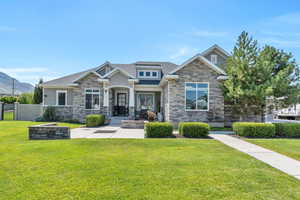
(27, 112)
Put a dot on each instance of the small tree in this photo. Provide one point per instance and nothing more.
(255, 74)
(25, 98)
(38, 93)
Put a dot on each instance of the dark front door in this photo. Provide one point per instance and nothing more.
(121, 108)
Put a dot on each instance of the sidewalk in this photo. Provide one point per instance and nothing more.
(276, 160)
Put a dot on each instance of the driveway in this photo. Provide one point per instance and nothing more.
(107, 132)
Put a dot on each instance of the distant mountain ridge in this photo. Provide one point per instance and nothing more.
(6, 84)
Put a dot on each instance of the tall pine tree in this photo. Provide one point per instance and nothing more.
(255, 74)
(38, 93)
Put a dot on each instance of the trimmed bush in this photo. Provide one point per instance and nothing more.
(95, 120)
(193, 129)
(158, 129)
(50, 114)
(289, 130)
(253, 129)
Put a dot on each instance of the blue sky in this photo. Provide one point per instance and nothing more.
(52, 38)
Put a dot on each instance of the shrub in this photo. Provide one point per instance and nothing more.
(95, 120)
(8, 99)
(253, 129)
(25, 98)
(158, 129)
(49, 114)
(193, 129)
(290, 130)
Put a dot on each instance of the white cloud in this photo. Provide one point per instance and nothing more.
(29, 74)
(23, 70)
(182, 52)
(206, 33)
(289, 18)
(282, 42)
(7, 29)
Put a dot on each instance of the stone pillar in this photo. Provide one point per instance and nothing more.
(1, 107)
(106, 101)
(16, 110)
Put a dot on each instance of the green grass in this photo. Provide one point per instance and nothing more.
(289, 147)
(132, 169)
(8, 116)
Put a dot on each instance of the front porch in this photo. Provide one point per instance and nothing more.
(126, 103)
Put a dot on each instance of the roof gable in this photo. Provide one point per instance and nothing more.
(215, 48)
(203, 59)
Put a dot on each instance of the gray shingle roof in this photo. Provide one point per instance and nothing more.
(130, 68)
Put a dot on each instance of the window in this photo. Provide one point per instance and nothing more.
(214, 58)
(61, 97)
(145, 101)
(154, 74)
(148, 74)
(196, 96)
(92, 99)
(141, 73)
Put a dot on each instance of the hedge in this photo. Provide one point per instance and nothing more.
(158, 129)
(253, 129)
(193, 129)
(289, 130)
(95, 120)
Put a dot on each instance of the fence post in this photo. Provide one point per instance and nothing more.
(16, 110)
(1, 110)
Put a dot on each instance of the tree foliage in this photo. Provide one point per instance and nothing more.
(255, 74)
(25, 98)
(38, 93)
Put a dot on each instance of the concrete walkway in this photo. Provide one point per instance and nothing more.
(276, 160)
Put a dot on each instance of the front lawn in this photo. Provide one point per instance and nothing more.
(132, 169)
(289, 147)
(8, 115)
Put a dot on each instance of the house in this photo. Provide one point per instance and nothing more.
(187, 92)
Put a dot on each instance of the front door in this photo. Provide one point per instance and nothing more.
(121, 107)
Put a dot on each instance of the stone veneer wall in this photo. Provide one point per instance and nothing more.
(48, 131)
(165, 103)
(196, 72)
(79, 111)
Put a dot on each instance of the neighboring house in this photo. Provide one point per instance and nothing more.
(187, 92)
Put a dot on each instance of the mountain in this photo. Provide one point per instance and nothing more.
(6, 84)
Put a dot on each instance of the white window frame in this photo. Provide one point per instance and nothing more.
(214, 59)
(196, 96)
(151, 74)
(85, 89)
(66, 97)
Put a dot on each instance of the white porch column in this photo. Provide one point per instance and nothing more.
(131, 97)
(106, 97)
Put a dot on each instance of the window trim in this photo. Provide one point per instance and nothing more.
(85, 89)
(214, 57)
(196, 96)
(151, 74)
(66, 97)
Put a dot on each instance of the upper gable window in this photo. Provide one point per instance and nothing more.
(214, 59)
(154, 74)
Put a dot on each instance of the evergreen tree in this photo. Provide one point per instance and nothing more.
(255, 74)
(38, 93)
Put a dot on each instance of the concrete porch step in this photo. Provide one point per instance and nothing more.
(107, 129)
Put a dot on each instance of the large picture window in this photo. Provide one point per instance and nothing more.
(92, 99)
(145, 101)
(196, 96)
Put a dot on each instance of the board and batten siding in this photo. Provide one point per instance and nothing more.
(50, 96)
